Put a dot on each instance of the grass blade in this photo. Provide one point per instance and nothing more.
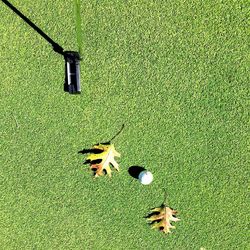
(78, 25)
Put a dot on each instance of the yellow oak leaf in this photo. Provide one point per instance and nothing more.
(161, 218)
(103, 157)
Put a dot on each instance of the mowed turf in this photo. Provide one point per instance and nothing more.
(175, 73)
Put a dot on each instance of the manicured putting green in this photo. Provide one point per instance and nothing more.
(175, 73)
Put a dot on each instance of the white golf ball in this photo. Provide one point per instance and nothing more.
(145, 177)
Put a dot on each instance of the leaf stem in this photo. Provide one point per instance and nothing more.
(165, 197)
(117, 133)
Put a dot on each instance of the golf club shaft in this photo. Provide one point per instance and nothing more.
(57, 48)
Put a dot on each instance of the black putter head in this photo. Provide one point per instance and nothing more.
(72, 58)
(72, 72)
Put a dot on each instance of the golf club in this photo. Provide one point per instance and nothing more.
(71, 58)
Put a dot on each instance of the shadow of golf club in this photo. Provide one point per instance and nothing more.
(134, 171)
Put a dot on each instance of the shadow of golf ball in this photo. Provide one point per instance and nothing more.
(134, 171)
(145, 177)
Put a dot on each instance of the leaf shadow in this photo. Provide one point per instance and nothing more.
(97, 161)
(90, 150)
(151, 214)
(103, 143)
(154, 221)
(157, 212)
(93, 150)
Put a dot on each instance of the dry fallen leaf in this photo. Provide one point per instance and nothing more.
(161, 218)
(102, 158)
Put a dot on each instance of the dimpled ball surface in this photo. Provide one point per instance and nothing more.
(145, 177)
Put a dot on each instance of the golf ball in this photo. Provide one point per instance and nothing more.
(145, 177)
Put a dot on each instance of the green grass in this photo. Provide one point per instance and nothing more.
(175, 72)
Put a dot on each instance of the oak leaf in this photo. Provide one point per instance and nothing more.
(101, 158)
(161, 218)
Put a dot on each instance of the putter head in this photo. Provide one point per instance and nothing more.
(72, 72)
